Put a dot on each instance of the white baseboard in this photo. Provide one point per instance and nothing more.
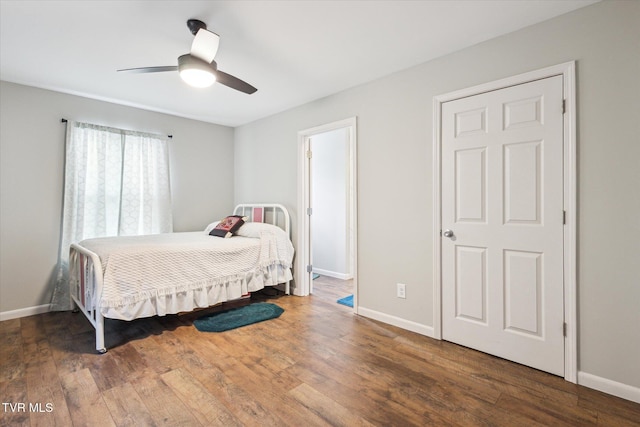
(397, 321)
(614, 388)
(24, 312)
(341, 276)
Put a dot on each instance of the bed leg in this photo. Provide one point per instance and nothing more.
(74, 305)
(100, 333)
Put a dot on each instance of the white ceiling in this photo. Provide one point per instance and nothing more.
(292, 51)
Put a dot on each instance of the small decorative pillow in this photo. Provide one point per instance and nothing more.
(228, 226)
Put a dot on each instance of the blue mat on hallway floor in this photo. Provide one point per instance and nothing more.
(348, 301)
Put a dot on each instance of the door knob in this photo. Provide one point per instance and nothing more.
(447, 233)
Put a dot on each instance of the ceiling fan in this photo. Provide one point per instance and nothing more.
(197, 68)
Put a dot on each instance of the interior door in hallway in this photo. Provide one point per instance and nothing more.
(502, 223)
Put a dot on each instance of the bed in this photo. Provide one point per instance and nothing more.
(133, 277)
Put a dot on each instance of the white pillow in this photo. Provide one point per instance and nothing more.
(255, 229)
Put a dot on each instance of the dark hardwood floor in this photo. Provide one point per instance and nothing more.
(317, 364)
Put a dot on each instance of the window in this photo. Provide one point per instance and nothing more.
(116, 184)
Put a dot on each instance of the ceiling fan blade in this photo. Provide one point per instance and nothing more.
(151, 69)
(205, 45)
(234, 82)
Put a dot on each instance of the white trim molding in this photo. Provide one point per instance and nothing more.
(334, 274)
(418, 328)
(24, 312)
(567, 71)
(614, 388)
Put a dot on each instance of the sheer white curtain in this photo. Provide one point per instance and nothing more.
(116, 184)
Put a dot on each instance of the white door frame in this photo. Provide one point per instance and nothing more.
(567, 71)
(304, 284)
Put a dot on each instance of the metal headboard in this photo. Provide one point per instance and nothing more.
(272, 213)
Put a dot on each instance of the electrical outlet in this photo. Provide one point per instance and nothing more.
(401, 290)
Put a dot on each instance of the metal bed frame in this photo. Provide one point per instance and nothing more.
(85, 268)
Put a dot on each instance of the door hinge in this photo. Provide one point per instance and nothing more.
(309, 211)
(564, 329)
(564, 217)
(309, 268)
(564, 106)
(309, 155)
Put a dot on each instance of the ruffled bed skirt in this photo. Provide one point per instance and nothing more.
(197, 296)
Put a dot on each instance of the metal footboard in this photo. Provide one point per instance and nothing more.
(85, 275)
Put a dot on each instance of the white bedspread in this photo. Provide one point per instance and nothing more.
(170, 273)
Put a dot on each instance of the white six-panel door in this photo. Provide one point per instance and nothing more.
(502, 222)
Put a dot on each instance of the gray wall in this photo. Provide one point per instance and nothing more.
(31, 177)
(395, 157)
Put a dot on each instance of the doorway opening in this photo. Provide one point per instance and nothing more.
(327, 241)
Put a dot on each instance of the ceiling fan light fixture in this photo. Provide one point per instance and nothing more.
(195, 72)
(197, 68)
(197, 78)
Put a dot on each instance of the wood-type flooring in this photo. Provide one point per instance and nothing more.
(316, 365)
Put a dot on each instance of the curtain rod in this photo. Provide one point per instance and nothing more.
(63, 120)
